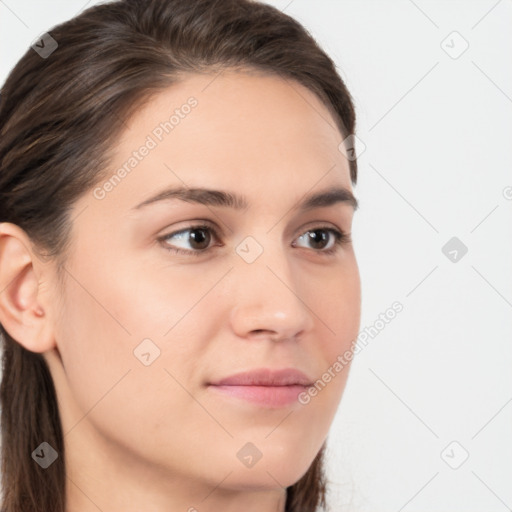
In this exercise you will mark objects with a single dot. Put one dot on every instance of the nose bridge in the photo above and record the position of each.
(268, 296)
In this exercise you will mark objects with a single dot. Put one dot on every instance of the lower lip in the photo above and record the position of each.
(267, 396)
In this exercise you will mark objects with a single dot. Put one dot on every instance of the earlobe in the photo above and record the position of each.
(22, 313)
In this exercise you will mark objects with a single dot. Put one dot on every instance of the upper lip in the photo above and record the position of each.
(266, 377)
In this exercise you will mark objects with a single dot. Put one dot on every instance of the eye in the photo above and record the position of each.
(325, 237)
(198, 237)
(325, 240)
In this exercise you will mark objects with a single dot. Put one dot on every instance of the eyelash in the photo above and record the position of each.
(340, 238)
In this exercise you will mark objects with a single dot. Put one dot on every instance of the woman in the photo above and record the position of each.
(177, 274)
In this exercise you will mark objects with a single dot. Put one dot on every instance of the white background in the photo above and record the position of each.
(436, 164)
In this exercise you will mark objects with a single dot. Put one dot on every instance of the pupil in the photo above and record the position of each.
(199, 239)
(317, 235)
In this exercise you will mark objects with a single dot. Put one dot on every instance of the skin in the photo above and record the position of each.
(156, 437)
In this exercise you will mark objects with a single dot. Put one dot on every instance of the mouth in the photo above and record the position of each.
(266, 396)
(264, 387)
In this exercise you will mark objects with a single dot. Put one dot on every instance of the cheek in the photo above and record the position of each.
(339, 321)
(111, 388)
(153, 300)
(340, 311)
(113, 316)
(94, 345)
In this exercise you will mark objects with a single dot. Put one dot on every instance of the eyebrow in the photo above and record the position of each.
(208, 197)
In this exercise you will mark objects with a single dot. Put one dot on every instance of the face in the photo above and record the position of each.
(261, 283)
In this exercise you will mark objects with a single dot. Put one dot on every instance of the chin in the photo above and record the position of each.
(278, 466)
(264, 478)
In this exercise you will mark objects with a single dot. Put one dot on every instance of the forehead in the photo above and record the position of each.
(257, 133)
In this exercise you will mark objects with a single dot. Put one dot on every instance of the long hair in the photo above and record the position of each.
(57, 112)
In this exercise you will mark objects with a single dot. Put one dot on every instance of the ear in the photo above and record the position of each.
(23, 312)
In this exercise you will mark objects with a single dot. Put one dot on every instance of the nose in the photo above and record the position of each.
(270, 299)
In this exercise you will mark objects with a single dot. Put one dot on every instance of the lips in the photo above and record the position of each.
(266, 377)
(264, 387)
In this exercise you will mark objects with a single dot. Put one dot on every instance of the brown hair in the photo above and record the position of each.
(56, 135)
